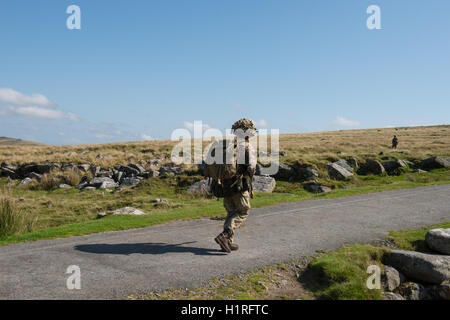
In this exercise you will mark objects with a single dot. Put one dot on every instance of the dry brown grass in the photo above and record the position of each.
(320, 147)
(13, 220)
(50, 180)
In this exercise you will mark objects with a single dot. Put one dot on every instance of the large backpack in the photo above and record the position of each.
(220, 165)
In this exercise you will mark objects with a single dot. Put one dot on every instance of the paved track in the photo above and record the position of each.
(183, 253)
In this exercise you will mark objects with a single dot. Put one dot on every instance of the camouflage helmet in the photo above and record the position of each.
(244, 124)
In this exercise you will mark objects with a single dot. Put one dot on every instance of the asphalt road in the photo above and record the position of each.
(184, 254)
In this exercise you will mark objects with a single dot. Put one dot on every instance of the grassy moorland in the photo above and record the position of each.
(314, 148)
(66, 212)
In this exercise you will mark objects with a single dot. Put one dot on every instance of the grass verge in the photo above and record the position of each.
(13, 220)
(414, 239)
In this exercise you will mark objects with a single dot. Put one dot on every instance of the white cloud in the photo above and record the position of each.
(34, 106)
(190, 126)
(146, 137)
(343, 122)
(261, 123)
(43, 113)
(12, 96)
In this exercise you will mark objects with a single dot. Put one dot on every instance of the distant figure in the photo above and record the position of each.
(394, 142)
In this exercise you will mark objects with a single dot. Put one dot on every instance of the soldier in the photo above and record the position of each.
(237, 201)
(394, 142)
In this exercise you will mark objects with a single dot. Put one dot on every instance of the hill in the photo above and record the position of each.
(5, 141)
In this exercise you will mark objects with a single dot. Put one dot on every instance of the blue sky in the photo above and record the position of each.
(140, 69)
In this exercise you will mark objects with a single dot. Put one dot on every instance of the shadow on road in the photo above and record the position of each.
(146, 248)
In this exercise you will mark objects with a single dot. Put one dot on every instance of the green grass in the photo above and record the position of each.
(12, 219)
(414, 239)
(341, 274)
(64, 213)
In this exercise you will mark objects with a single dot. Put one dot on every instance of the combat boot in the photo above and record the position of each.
(223, 241)
(229, 235)
(233, 246)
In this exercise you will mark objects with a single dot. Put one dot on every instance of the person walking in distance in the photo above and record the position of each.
(394, 142)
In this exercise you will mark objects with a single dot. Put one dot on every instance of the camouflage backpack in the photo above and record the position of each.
(220, 161)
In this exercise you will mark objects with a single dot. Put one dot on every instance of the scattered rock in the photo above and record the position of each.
(263, 183)
(96, 170)
(285, 172)
(125, 210)
(35, 176)
(200, 187)
(37, 168)
(391, 296)
(392, 278)
(129, 170)
(130, 182)
(420, 171)
(394, 167)
(103, 182)
(7, 173)
(67, 166)
(138, 167)
(316, 188)
(84, 167)
(150, 174)
(428, 268)
(439, 240)
(82, 185)
(337, 172)
(306, 173)
(434, 163)
(353, 162)
(371, 167)
(439, 292)
(25, 181)
(64, 186)
(8, 166)
(8, 170)
(158, 200)
(344, 164)
(412, 291)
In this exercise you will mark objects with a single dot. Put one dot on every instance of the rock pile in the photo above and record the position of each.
(428, 273)
(121, 175)
(133, 173)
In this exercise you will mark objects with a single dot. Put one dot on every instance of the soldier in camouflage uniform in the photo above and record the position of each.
(394, 142)
(237, 203)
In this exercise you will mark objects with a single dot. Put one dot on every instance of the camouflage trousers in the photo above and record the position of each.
(237, 207)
